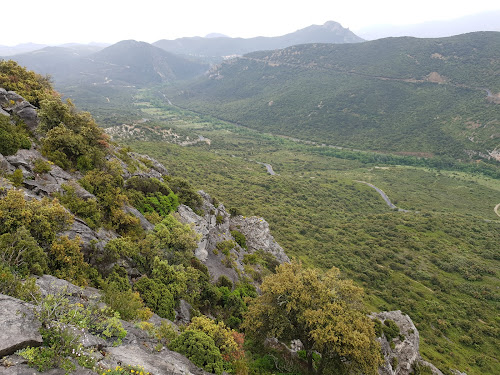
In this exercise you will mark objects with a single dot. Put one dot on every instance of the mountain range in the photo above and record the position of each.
(126, 63)
(133, 63)
(434, 96)
(217, 48)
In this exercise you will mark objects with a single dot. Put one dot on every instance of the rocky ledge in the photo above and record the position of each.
(215, 227)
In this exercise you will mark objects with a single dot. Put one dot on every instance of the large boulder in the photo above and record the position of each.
(49, 284)
(215, 227)
(19, 367)
(12, 103)
(258, 236)
(401, 358)
(20, 328)
(165, 362)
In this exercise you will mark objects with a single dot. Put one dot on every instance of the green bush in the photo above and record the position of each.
(183, 189)
(12, 285)
(12, 137)
(200, 349)
(390, 329)
(126, 370)
(72, 139)
(127, 303)
(239, 238)
(31, 86)
(17, 178)
(156, 296)
(151, 195)
(20, 251)
(41, 166)
(88, 209)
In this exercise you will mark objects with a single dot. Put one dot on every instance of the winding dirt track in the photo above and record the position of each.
(497, 207)
(385, 197)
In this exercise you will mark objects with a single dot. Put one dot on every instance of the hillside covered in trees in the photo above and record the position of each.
(92, 214)
(421, 97)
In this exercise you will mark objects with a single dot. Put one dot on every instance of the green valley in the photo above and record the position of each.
(399, 95)
(438, 263)
(377, 158)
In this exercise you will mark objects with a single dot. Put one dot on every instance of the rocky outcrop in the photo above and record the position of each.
(52, 285)
(19, 326)
(13, 104)
(401, 357)
(17, 365)
(19, 329)
(165, 362)
(215, 226)
(258, 236)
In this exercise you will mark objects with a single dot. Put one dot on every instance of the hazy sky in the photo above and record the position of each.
(83, 21)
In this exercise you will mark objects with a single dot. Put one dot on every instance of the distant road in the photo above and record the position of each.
(269, 168)
(385, 197)
(497, 207)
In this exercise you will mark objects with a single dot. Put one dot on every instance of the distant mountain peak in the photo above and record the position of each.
(332, 25)
(216, 47)
(216, 35)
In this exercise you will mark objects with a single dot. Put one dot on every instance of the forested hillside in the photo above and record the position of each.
(437, 261)
(430, 97)
(169, 279)
(308, 137)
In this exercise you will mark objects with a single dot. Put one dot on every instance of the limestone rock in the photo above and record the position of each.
(92, 242)
(210, 234)
(165, 362)
(24, 369)
(52, 285)
(258, 236)
(12, 103)
(215, 226)
(5, 166)
(183, 313)
(19, 366)
(157, 166)
(405, 351)
(19, 326)
(157, 321)
(145, 224)
(86, 339)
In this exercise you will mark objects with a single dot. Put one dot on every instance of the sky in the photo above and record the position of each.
(83, 21)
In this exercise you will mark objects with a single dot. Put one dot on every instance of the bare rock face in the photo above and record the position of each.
(19, 367)
(215, 227)
(145, 224)
(401, 359)
(19, 326)
(165, 362)
(12, 103)
(258, 236)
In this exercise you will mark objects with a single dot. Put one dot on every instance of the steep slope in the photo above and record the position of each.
(61, 63)
(435, 96)
(126, 63)
(141, 63)
(214, 49)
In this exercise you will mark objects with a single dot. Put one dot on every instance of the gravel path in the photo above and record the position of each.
(385, 197)
(497, 207)
(269, 168)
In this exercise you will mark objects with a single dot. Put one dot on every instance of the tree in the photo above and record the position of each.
(321, 310)
(229, 342)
